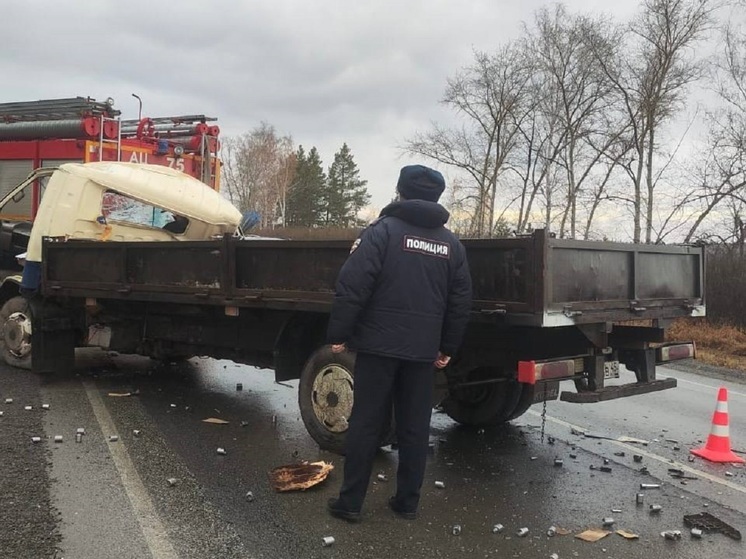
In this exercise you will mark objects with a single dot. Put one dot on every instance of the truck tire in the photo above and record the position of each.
(525, 401)
(325, 397)
(484, 404)
(15, 339)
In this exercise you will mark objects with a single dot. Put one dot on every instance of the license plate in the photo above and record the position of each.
(546, 391)
(611, 369)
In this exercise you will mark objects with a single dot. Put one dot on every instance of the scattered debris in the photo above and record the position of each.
(605, 469)
(244, 424)
(608, 521)
(627, 535)
(606, 461)
(173, 405)
(382, 477)
(710, 523)
(8, 400)
(650, 486)
(696, 533)
(28, 408)
(534, 457)
(440, 485)
(327, 541)
(221, 451)
(677, 447)
(250, 496)
(522, 532)
(136, 432)
(78, 438)
(672, 534)
(620, 453)
(552, 531)
(655, 509)
(632, 440)
(637, 458)
(456, 530)
(558, 462)
(550, 440)
(299, 476)
(554, 556)
(616, 511)
(640, 498)
(480, 431)
(679, 474)
(113, 438)
(215, 421)
(35, 439)
(1, 414)
(729, 474)
(58, 438)
(573, 455)
(80, 431)
(592, 535)
(497, 528)
(691, 458)
(45, 406)
(120, 394)
(239, 386)
(172, 481)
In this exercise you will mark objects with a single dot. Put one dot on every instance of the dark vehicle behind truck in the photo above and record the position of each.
(545, 310)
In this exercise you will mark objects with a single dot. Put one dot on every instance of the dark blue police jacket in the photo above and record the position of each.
(405, 289)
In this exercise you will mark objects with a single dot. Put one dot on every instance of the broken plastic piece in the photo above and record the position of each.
(299, 476)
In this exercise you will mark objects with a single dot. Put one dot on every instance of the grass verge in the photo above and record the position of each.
(721, 345)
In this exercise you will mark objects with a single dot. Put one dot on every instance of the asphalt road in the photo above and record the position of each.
(103, 498)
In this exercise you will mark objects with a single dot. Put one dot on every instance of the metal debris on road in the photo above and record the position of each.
(250, 496)
(573, 455)
(592, 535)
(327, 541)
(215, 421)
(239, 386)
(173, 405)
(120, 394)
(28, 408)
(80, 431)
(677, 447)
(554, 556)
(679, 474)
(605, 469)
(244, 424)
(672, 534)
(78, 438)
(172, 481)
(558, 462)
(497, 528)
(627, 535)
(8, 400)
(45, 406)
(35, 439)
(606, 461)
(650, 486)
(299, 476)
(440, 485)
(640, 498)
(58, 438)
(136, 432)
(620, 453)
(550, 440)
(654, 509)
(729, 474)
(522, 532)
(696, 533)
(113, 438)
(691, 458)
(616, 511)
(1, 414)
(382, 477)
(637, 457)
(608, 521)
(551, 531)
(534, 457)
(456, 530)
(710, 523)
(221, 451)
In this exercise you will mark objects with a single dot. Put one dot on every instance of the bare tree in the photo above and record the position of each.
(651, 75)
(258, 168)
(492, 95)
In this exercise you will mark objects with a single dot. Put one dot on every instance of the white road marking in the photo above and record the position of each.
(151, 526)
(713, 388)
(637, 450)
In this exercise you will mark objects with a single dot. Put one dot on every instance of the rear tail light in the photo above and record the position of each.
(530, 372)
(676, 351)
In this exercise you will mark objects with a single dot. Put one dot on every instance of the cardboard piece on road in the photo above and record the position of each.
(120, 394)
(215, 421)
(592, 534)
(628, 535)
(299, 476)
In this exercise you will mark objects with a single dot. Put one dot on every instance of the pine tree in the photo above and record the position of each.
(305, 200)
(346, 194)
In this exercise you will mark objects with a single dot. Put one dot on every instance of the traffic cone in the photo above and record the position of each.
(717, 448)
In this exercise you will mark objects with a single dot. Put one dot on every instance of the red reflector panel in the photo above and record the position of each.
(555, 369)
(527, 372)
(674, 352)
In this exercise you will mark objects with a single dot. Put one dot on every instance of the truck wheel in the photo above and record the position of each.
(15, 341)
(525, 401)
(325, 397)
(483, 404)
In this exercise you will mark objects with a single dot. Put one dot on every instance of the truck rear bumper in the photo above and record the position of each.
(621, 391)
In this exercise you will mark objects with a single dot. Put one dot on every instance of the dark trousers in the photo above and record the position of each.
(381, 382)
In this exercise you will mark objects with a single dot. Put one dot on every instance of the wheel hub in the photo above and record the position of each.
(332, 397)
(17, 334)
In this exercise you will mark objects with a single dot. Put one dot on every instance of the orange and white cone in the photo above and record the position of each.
(717, 448)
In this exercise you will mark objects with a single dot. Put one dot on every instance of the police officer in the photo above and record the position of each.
(402, 303)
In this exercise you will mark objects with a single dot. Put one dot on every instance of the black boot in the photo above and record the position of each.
(337, 511)
(406, 515)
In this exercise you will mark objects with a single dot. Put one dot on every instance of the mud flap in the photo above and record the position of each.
(52, 338)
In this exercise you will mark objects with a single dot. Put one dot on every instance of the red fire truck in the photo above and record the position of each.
(48, 133)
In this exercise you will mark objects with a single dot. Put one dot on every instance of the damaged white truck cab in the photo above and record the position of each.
(106, 201)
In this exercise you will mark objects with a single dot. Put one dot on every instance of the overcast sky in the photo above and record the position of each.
(369, 73)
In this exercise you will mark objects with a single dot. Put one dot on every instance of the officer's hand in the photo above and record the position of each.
(338, 348)
(442, 360)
